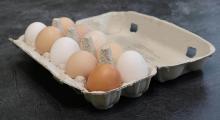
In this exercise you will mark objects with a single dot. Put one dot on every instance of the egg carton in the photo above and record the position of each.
(170, 50)
(99, 99)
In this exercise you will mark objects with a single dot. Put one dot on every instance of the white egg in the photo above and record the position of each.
(132, 66)
(62, 49)
(32, 32)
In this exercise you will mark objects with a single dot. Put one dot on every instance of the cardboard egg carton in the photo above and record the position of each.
(170, 50)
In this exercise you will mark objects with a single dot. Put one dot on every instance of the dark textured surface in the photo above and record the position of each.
(28, 91)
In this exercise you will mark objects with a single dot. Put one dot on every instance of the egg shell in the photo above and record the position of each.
(98, 38)
(132, 66)
(80, 63)
(81, 31)
(66, 24)
(62, 49)
(32, 32)
(46, 38)
(116, 51)
(104, 77)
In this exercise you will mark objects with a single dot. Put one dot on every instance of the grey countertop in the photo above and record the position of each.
(28, 91)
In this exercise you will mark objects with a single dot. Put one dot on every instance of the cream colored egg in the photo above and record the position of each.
(64, 24)
(32, 32)
(97, 37)
(46, 38)
(117, 50)
(81, 30)
(80, 63)
(62, 49)
(132, 66)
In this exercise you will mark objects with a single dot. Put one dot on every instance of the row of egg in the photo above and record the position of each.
(81, 51)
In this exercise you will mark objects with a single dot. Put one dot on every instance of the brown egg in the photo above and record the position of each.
(80, 63)
(81, 31)
(66, 24)
(46, 38)
(104, 77)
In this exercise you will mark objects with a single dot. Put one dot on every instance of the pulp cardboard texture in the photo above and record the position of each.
(161, 43)
(175, 51)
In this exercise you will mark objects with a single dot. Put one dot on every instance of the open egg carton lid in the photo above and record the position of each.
(173, 50)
